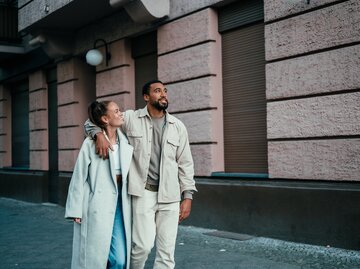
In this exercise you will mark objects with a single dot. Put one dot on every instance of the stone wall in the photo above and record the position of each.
(76, 88)
(189, 62)
(38, 121)
(117, 80)
(312, 88)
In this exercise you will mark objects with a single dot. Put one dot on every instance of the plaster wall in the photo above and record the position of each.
(276, 9)
(38, 121)
(117, 80)
(34, 10)
(312, 90)
(76, 88)
(331, 26)
(190, 64)
(120, 25)
(324, 116)
(325, 72)
(329, 159)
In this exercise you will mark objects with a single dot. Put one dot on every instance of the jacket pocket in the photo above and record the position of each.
(135, 139)
(172, 145)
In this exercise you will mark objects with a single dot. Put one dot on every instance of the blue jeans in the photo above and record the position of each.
(117, 255)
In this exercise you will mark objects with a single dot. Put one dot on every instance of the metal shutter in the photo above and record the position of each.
(244, 99)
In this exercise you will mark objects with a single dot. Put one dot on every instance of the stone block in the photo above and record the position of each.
(334, 115)
(5, 159)
(328, 71)
(4, 126)
(208, 158)
(125, 101)
(39, 160)
(276, 9)
(3, 108)
(195, 94)
(39, 140)
(114, 81)
(195, 28)
(72, 114)
(120, 52)
(38, 100)
(335, 159)
(38, 120)
(71, 137)
(37, 80)
(328, 27)
(201, 125)
(66, 70)
(66, 92)
(4, 145)
(193, 62)
(67, 160)
(2, 92)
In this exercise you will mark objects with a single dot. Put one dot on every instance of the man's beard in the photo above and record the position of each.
(159, 106)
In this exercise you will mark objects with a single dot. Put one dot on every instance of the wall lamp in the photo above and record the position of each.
(94, 56)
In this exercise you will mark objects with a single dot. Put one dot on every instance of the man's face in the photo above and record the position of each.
(157, 97)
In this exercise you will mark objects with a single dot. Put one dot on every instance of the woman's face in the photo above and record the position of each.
(114, 115)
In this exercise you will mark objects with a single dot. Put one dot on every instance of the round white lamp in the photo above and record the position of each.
(94, 57)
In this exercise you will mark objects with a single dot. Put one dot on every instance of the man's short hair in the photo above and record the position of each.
(146, 87)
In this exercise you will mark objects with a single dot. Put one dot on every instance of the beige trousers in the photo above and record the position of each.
(153, 220)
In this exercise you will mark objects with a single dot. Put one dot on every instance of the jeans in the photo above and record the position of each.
(117, 255)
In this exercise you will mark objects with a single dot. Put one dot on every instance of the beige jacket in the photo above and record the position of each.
(176, 165)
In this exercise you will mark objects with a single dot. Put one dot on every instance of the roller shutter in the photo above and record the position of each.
(244, 100)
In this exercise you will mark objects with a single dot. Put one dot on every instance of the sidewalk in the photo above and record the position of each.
(36, 236)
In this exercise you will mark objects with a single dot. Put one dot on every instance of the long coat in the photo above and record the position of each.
(92, 196)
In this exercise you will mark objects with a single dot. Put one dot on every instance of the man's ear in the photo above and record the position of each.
(146, 97)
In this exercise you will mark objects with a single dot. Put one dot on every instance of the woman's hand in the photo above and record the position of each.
(77, 220)
(102, 146)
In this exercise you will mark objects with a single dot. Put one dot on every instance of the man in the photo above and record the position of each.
(160, 176)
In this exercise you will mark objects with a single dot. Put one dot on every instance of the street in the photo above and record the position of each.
(36, 236)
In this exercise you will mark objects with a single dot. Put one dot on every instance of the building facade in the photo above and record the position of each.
(269, 92)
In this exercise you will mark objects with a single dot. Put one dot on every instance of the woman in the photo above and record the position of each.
(97, 199)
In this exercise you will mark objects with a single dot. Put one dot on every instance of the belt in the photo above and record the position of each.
(153, 188)
(119, 179)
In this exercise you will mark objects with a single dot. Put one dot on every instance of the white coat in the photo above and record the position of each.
(92, 196)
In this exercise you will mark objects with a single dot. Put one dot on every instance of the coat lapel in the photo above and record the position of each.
(126, 151)
(112, 168)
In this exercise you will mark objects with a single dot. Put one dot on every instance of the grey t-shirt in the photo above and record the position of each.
(154, 167)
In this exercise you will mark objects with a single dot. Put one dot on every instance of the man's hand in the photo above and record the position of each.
(185, 209)
(102, 146)
(77, 220)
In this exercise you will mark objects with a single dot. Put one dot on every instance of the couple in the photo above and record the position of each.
(121, 204)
